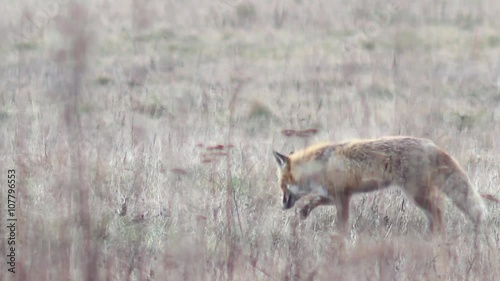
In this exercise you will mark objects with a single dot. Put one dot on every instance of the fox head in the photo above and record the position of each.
(286, 180)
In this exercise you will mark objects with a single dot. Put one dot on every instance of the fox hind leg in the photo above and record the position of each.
(431, 204)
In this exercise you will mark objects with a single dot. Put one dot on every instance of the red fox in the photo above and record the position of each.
(329, 174)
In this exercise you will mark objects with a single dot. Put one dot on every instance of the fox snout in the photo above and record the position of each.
(288, 200)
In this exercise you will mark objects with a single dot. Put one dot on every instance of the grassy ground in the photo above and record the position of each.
(141, 134)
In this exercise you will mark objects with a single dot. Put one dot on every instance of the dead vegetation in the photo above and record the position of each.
(142, 133)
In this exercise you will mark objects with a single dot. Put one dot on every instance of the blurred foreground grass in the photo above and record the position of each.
(111, 114)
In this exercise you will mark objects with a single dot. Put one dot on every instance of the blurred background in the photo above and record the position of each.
(141, 134)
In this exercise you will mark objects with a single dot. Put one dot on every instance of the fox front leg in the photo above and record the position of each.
(313, 202)
(343, 212)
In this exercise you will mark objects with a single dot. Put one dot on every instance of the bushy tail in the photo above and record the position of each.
(458, 188)
(453, 181)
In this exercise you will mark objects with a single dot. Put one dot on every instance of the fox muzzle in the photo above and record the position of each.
(288, 200)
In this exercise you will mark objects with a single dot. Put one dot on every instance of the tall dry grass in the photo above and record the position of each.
(141, 134)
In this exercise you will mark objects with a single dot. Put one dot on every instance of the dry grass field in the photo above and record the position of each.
(141, 135)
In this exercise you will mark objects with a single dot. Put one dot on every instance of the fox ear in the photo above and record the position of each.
(281, 159)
